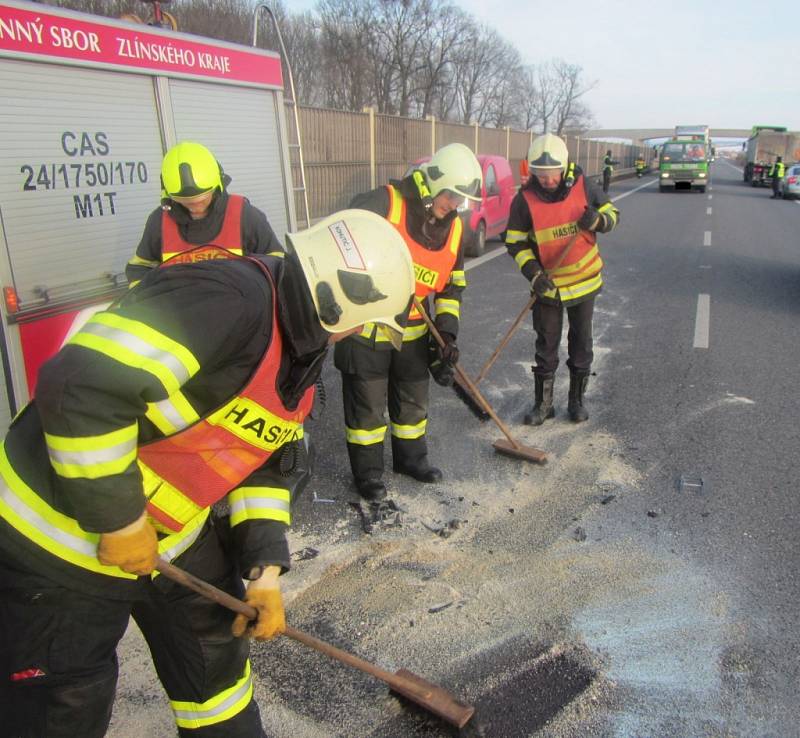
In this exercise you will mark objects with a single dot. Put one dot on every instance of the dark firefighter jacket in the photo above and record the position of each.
(431, 233)
(521, 241)
(210, 323)
(257, 234)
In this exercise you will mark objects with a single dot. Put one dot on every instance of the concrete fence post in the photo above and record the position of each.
(508, 142)
(475, 148)
(432, 119)
(578, 151)
(373, 175)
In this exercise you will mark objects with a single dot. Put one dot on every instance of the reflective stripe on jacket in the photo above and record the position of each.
(555, 223)
(432, 270)
(229, 236)
(197, 466)
(60, 535)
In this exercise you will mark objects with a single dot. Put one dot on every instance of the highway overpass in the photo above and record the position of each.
(643, 134)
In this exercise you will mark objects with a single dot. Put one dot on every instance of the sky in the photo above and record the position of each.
(730, 64)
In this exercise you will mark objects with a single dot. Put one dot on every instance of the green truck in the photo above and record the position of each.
(684, 160)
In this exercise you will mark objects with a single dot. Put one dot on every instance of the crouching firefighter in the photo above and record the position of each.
(556, 204)
(422, 207)
(191, 389)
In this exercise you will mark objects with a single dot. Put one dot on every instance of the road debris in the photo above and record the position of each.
(304, 554)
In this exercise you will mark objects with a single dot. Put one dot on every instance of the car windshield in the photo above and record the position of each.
(684, 152)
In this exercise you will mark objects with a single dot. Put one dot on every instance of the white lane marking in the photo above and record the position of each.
(732, 166)
(701, 321)
(711, 197)
(635, 189)
(708, 211)
(486, 257)
(497, 252)
(706, 238)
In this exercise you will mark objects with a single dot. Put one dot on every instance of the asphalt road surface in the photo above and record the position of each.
(642, 583)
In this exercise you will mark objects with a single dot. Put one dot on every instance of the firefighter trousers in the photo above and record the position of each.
(369, 376)
(548, 322)
(58, 646)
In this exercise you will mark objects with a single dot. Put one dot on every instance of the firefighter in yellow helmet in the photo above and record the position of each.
(554, 205)
(112, 465)
(196, 210)
(422, 207)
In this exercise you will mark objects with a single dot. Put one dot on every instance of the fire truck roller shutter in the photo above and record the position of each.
(239, 125)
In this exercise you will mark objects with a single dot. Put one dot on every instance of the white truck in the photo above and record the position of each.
(765, 145)
(89, 105)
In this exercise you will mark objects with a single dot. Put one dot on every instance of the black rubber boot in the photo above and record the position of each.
(420, 470)
(543, 407)
(578, 381)
(371, 489)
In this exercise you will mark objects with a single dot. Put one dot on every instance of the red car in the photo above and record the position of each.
(489, 217)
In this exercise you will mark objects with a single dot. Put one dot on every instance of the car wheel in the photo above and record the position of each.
(701, 188)
(478, 245)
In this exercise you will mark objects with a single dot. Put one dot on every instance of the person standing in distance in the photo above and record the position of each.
(608, 169)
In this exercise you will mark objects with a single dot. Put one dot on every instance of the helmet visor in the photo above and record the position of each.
(472, 191)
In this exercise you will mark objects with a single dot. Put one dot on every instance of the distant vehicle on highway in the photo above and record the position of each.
(684, 159)
(489, 217)
(765, 144)
(789, 186)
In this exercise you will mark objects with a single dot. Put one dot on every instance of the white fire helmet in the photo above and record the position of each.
(358, 270)
(546, 152)
(455, 169)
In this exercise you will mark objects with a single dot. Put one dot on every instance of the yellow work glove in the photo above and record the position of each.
(133, 548)
(264, 595)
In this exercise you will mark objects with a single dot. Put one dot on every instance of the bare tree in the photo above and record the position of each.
(348, 46)
(571, 88)
(502, 93)
(528, 96)
(438, 54)
(406, 57)
(479, 59)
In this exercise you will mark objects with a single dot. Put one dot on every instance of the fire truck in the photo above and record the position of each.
(89, 106)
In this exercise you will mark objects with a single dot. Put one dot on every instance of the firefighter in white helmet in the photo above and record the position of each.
(422, 207)
(197, 210)
(556, 203)
(190, 390)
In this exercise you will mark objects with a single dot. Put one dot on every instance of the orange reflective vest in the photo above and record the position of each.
(554, 224)
(431, 268)
(229, 236)
(197, 466)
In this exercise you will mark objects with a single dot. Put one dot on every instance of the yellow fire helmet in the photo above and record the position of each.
(548, 151)
(189, 169)
(358, 270)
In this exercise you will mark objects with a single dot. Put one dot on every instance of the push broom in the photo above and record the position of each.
(429, 696)
(528, 306)
(510, 446)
